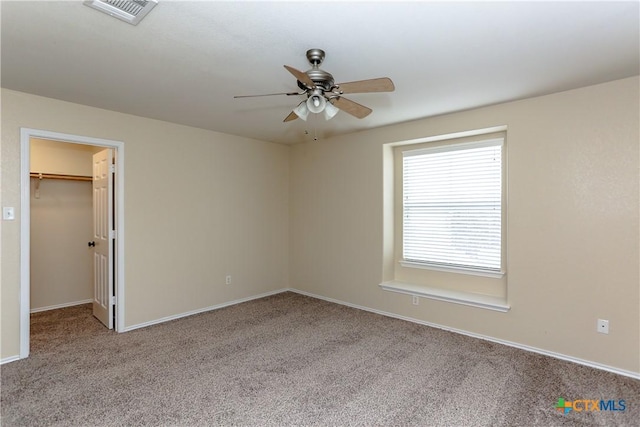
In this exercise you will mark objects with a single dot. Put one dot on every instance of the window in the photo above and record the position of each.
(452, 207)
(444, 218)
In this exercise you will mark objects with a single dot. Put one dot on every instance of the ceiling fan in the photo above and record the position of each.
(323, 95)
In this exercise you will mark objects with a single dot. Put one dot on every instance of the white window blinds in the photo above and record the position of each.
(452, 206)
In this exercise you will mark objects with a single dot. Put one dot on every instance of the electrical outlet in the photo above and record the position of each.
(227, 280)
(415, 300)
(603, 326)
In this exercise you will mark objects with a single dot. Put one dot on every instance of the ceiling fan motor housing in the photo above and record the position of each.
(321, 78)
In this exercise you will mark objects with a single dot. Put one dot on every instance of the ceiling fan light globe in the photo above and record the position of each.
(330, 110)
(316, 103)
(302, 111)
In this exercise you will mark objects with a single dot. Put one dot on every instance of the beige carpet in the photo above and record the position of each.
(292, 360)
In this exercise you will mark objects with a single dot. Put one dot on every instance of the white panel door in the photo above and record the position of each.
(102, 237)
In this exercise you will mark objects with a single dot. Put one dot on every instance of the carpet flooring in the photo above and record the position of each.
(291, 360)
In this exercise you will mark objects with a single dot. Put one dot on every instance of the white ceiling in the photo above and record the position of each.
(186, 60)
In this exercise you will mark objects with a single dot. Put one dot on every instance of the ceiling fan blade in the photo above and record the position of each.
(302, 77)
(290, 117)
(383, 84)
(351, 107)
(269, 94)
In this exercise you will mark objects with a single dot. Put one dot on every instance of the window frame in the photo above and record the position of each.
(450, 144)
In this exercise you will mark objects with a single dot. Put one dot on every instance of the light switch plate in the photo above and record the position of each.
(8, 214)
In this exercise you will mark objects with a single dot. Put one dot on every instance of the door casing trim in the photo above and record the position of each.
(25, 224)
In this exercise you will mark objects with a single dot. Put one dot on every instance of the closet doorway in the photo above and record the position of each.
(72, 233)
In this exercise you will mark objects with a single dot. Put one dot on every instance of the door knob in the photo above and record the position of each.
(92, 244)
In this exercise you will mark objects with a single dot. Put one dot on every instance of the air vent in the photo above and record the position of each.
(131, 11)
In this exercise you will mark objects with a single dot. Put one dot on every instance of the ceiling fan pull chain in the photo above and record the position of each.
(313, 122)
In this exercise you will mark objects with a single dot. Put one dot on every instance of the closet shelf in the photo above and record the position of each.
(59, 176)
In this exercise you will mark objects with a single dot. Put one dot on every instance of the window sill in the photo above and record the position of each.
(446, 295)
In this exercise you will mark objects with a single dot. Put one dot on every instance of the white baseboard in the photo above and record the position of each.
(596, 365)
(202, 310)
(9, 359)
(54, 307)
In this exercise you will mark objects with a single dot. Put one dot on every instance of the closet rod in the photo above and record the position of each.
(59, 176)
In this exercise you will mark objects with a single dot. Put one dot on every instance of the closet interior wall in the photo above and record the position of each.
(61, 224)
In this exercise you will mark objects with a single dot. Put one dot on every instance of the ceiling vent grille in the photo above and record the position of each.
(131, 11)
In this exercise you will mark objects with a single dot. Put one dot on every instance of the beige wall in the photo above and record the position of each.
(198, 205)
(573, 222)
